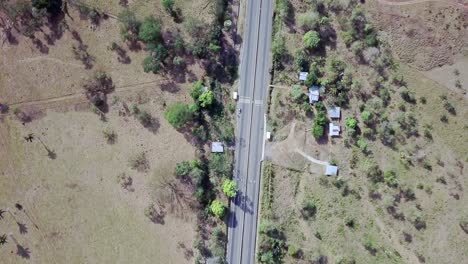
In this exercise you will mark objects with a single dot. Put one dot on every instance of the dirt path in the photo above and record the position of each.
(51, 59)
(316, 161)
(129, 87)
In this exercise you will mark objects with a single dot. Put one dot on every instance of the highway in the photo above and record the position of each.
(254, 80)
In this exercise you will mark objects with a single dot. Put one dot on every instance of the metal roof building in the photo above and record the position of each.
(331, 170)
(217, 147)
(303, 76)
(334, 130)
(334, 112)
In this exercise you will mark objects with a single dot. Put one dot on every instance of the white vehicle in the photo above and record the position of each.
(239, 111)
(234, 96)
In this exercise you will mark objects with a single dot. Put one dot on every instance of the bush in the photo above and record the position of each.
(230, 188)
(311, 39)
(139, 162)
(294, 251)
(362, 144)
(351, 122)
(168, 5)
(130, 25)
(309, 21)
(150, 30)
(178, 115)
(155, 62)
(297, 93)
(110, 136)
(218, 208)
(366, 117)
(390, 179)
(183, 168)
(206, 99)
(309, 208)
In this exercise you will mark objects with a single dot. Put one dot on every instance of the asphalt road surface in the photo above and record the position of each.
(254, 80)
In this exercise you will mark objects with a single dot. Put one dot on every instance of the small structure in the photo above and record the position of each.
(334, 130)
(331, 170)
(268, 136)
(334, 112)
(217, 147)
(314, 94)
(235, 95)
(303, 76)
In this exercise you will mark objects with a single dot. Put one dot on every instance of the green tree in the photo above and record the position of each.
(230, 188)
(318, 128)
(150, 30)
(178, 115)
(182, 169)
(217, 208)
(297, 93)
(351, 123)
(311, 39)
(206, 99)
(196, 90)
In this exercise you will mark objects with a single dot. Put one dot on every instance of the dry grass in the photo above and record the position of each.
(75, 210)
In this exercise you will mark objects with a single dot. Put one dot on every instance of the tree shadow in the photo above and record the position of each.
(170, 87)
(23, 252)
(23, 229)
(244, 202)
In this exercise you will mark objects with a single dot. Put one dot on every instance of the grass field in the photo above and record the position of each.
(73, 208)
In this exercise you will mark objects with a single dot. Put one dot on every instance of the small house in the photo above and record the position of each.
(334, 112)
(303, 76)
(334, 130)
(331, 170)
(217, 147)
(314, 94)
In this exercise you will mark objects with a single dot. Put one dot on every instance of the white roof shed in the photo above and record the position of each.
(331, 170)
(333, 130)
(334, 112)
(314, 94)
(217, 147)
(303, 76)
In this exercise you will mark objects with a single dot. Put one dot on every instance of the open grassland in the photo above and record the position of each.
(74, 209)
(400, 196)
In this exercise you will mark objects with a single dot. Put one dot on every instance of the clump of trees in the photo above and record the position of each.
(320, 120)
(311, 39)
(272, 243)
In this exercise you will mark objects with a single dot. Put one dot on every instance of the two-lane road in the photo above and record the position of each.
(254, 79)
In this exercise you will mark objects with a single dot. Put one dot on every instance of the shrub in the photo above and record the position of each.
(300, 60)
(351, 122)
(97, 88)
(407, 96)
(370, 244)
(206, 99)
(309, 208)
(110, 136)
(311, 39)
(139, 162)
(230, 188)
(53, 7)
(178, 115)
(218, 208)
(182, 169)
(294, 251)
(168, 5)
(390, 179)
(297, 93)
(318, 128)
(366, 117)
(150, 30)
(130, 25)
(278, 49)
(309, 21)
(196, 90)
(362, 144)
